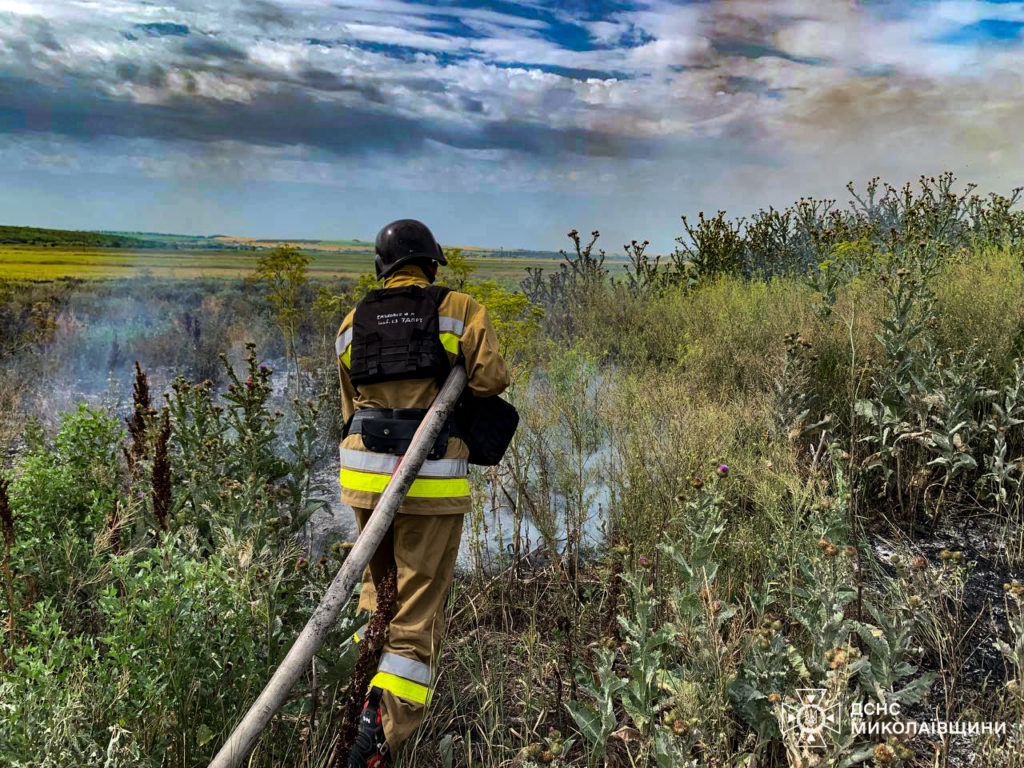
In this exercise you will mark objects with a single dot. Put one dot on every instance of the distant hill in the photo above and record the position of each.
(63, 237)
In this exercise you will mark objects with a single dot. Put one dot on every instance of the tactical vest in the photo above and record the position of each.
(395, 335)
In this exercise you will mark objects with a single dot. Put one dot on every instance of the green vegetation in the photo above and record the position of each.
(282, 272)
(788, 456)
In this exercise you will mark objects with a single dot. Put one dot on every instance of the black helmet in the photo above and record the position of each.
(403, 241)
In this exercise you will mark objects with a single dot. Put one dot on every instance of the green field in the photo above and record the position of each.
(28, 262)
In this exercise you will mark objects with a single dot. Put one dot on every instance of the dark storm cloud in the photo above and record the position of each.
(282, 117)
(330, 82)
(756, 50)
(265, 14)
(149, 75)
(210, 48)
(42, 33)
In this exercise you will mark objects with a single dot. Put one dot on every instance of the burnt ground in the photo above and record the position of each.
(982, 670)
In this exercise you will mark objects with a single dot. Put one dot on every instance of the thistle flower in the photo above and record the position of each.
(249, 383)
(723, 470)
(883, 754)
(643, 560)
(839, 658)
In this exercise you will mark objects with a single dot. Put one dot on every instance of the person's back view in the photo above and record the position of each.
(394, 349)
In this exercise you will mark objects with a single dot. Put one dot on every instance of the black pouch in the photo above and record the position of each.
(394, 435)
(486, 425)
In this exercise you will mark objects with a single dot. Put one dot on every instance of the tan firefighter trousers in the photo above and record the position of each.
(423, 548)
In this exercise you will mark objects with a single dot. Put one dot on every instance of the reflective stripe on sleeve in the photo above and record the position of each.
(410, 669)
(449, 330)
(385, 464)
(343, 341)
(422, 487)
(404, 689)
(450, 325)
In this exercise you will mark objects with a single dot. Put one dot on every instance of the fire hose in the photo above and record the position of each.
(242, 740)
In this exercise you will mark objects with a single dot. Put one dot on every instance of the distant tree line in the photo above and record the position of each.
(61, 237)
(56, 238)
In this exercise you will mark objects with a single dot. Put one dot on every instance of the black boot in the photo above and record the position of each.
(370, 749)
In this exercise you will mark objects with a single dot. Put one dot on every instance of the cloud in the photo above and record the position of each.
(209, 48)
(521, 91)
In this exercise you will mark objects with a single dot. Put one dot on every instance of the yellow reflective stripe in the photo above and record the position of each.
(405, 689)
(355, 637)
(346, 358)
(422, 487)
(450, 342)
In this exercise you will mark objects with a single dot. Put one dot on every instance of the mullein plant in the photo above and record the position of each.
(646, 695)
(1001, 482)
(892, 413)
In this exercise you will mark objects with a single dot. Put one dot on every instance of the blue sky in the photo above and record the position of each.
(497, 123)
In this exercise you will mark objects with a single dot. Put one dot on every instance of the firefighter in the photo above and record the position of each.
(394, 350)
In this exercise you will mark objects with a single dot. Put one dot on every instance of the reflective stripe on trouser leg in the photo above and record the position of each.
(410, 669)
(405, 678)
(402, 688)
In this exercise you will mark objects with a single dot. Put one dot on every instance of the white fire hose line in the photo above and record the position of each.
(242, 740)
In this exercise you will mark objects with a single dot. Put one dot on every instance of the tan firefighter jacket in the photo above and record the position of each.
(442, 486)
